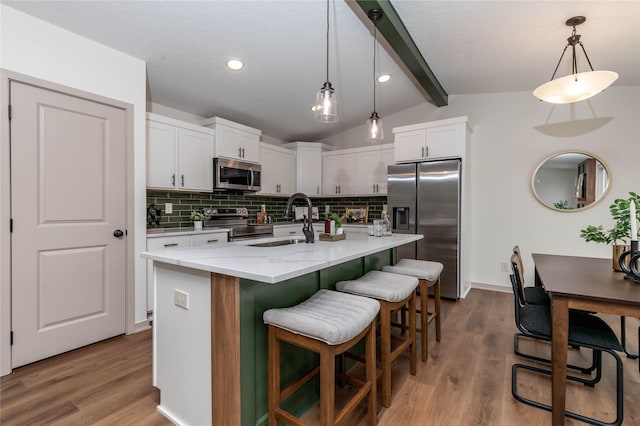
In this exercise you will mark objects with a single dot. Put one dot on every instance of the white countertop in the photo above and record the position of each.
(275, 264)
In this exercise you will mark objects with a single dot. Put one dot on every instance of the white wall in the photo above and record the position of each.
(38, 49)
(512, 134)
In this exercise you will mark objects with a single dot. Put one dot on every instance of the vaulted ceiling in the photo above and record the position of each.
(471, 47)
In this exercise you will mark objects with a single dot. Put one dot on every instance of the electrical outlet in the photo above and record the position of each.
(181, 299)
(504, 266)
(168, 208)
(327, 208)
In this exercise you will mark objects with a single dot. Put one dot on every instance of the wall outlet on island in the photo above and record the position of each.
(181, 299)
(504, 266)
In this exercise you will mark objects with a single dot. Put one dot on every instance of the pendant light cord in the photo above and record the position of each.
(375, 27)
(327, 40)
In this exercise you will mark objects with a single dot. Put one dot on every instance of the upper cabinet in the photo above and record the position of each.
(234, 141)
(278, 170)
(338, 173)
(371, 170)
(179, 155)
(432, 140)
(308, 167)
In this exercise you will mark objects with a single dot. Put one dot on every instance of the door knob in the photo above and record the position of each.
(118, 233)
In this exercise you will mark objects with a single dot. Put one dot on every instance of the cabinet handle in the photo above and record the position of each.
(212, 241)
(239, 152)
(173, 179)
(427, 149)
(422, 155)
(242, 151)
(374, 187)
(318, 190)
(171, 245)
(182, 179)
(292, 232)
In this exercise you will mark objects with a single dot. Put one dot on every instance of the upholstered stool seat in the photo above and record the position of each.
(328, 323)
(429, 275)
(393, 291)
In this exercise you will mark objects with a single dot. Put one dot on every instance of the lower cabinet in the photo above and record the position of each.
(175, 241)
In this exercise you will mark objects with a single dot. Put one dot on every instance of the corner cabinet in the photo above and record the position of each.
(179, 155)
(234, 141)
(278, 170)
(308, 167)
(430, 141)
(356, 171)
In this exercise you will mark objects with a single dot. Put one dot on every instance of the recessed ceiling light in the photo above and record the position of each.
(384, 78)
(235, 64)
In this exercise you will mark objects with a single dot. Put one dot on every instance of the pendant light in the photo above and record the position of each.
(326, 106)
(375, 131)
(577, 86)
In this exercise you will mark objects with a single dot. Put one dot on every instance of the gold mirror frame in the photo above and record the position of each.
(550, 205)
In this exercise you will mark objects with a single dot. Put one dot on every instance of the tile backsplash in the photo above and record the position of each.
(184, 202)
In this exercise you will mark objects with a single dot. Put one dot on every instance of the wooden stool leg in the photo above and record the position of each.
(412, 334)
(370, 354)
(273, 376)
(385, 352)
(327, 386)
(436, 295)
(424, 333)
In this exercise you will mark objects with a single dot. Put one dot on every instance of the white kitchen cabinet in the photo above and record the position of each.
(162, 242)
(278, 170)
(371, 170)
(234, 141)
(432, 140)
(308, 167)
(179, 155)
(338, 174)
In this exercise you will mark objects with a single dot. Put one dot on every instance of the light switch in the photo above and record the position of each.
(168, 208)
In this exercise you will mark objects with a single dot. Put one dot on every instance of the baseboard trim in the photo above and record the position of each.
(140, 326)
(492, 287)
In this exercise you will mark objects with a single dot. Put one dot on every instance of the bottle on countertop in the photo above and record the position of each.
(386, 224)
(327, 225)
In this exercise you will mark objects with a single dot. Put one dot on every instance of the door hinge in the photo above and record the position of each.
(9, 112)
(11, 225)
(11, 339)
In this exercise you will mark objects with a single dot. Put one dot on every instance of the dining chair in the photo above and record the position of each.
(516, 268)
(531, 294)
(585, 330)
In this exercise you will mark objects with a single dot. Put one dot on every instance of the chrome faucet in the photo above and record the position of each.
(307, 220)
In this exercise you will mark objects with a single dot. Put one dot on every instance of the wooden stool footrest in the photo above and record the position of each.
(284, 393)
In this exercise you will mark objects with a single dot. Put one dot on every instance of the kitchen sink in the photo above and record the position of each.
(277, 243)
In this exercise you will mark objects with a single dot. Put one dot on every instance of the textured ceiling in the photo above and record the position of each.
(472, 47)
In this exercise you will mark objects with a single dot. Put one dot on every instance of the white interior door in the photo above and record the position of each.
(68, 199)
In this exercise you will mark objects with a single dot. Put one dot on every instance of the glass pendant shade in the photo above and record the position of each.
(326, 106)
(375, 130)
(575, 87)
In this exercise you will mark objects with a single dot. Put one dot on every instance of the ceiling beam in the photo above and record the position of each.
(398, 38)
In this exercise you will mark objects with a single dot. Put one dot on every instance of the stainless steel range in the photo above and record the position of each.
(236, 220)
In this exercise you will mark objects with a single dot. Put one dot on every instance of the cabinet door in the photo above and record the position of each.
(287, 172)
(195, 161)
(346, 174)
(367, 172)
(162, 155)
(309, 171)
(237, 144)
(385, 159)
(409, 145)
(288, 230)
(442, 142)
(250, 144)
(278, 169)
(330, 175)
(161, 243)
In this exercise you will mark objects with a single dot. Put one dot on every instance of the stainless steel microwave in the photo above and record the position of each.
(236, 175)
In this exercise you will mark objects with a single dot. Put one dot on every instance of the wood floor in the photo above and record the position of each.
(466, 381)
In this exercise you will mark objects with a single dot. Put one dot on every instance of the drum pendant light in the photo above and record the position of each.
(326, 106)
(375, 131)
(576, 86)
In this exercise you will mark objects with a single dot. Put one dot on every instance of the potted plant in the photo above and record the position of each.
(338, 220)
(620, 233)
(197, 218)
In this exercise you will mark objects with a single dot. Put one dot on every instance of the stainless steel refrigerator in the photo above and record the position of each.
(424, 198)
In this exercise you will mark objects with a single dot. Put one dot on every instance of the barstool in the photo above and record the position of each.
(328, 323)
(393, 291)
(429, 275)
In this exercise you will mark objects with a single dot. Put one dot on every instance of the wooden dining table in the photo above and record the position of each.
(584, 283)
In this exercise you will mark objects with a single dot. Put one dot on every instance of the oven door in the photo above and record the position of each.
(236, 175)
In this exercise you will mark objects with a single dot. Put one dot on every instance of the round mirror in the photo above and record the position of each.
(571, 181)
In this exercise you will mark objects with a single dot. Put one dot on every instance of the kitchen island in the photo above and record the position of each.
(209, 341)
